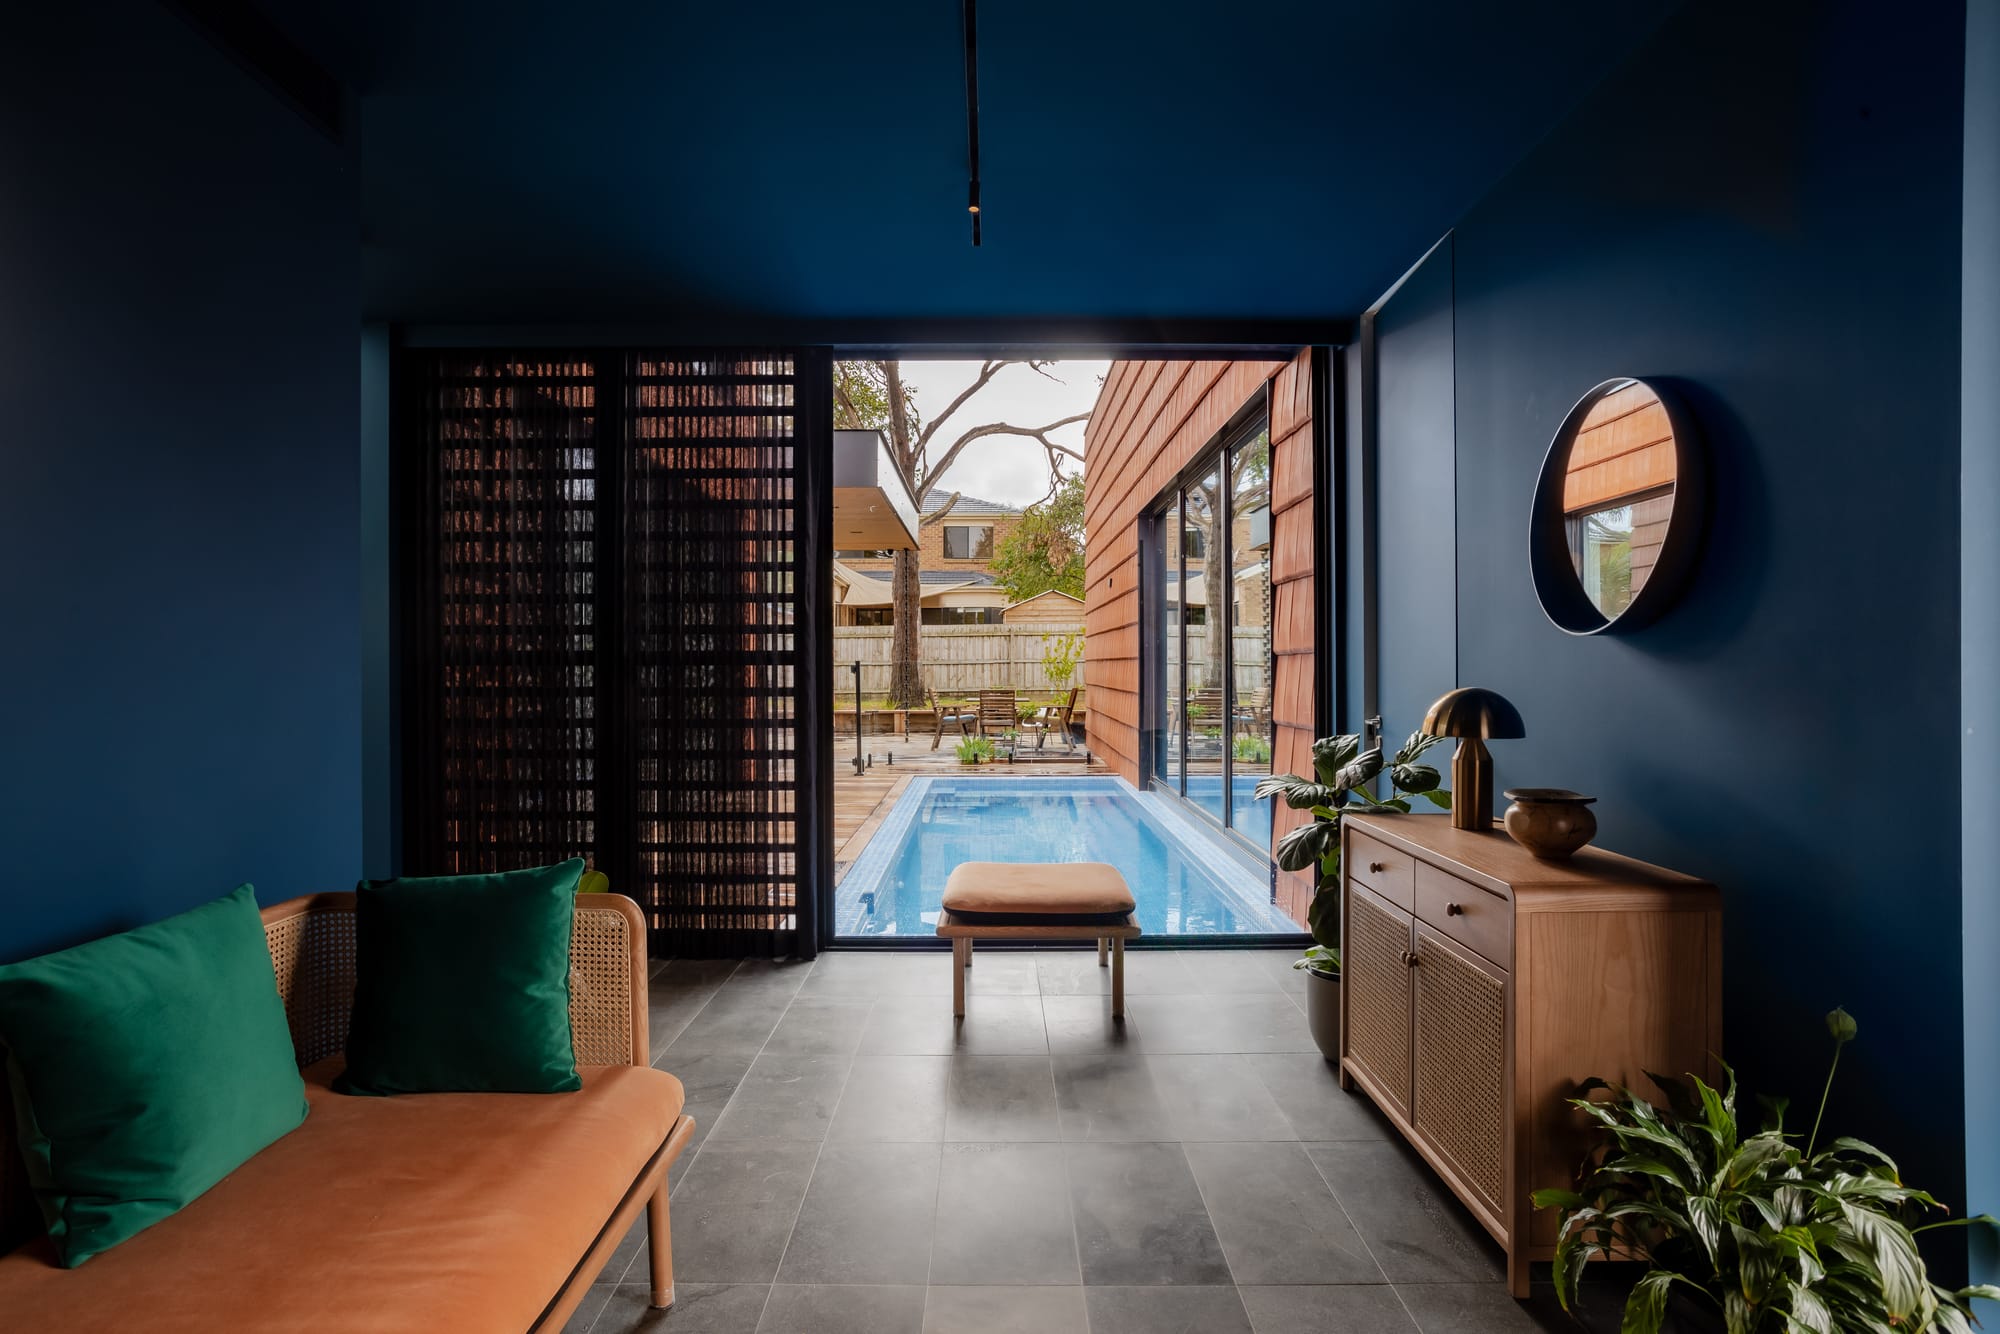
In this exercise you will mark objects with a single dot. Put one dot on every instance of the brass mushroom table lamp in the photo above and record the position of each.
(1473, 715)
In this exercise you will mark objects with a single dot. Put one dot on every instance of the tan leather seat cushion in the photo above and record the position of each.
(436, 1212)
(1051, 889)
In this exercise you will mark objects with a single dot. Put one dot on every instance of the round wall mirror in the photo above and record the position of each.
(1618, 510)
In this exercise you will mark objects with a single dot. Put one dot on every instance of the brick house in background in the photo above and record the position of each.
(956, 566)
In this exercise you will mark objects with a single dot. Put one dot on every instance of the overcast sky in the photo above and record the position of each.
(1004, 468)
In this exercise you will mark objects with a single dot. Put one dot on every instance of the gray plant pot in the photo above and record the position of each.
(1323, 1011)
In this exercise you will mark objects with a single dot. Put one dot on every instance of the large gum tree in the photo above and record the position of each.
(874, 396)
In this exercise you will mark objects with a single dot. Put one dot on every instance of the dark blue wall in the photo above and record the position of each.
(1979, 630)
(179, 554)
(1761, 208)
(1416, 546)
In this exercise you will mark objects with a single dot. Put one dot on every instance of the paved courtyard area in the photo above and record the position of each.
(866, 1165)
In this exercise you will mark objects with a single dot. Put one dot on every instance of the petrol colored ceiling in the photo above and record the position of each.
(794, 161)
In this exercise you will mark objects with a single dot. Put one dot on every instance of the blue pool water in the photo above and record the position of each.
(1249, 816)
(1183, 883)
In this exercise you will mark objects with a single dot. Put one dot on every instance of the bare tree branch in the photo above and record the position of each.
(986, 373)
(1041, 433)
(944, 509)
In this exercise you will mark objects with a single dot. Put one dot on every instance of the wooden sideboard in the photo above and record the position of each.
(1480, 985)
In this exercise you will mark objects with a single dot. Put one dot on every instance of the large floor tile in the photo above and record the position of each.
(893, 1099)
(844, 1310)
(1217, 1098)
(1077, 973)
(1485, 1308)
(778, 979)
(993, 1098)
(1307, 1089)
(1109, 1098)
(1139, 1216)
(591, 1307)
(1003, 1217)
(992, 1026)
(870, 975)
(866, 1216)
(1231, 972)
(1080, 1025)
(1277, 1220)
(734, 1020)
(1352, 1309)
(699, 1308)
(1202, 1310)
(817, 1026)
(709, 1081)
(785, 1096)
(1005, 1310)
(735, 1210)
(1416, 1230)
(1221, 1024)
(1002, 973)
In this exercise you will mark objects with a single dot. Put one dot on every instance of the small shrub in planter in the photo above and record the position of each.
(1341, 775)
(974, 749)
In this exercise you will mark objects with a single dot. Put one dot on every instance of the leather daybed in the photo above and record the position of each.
(483, 1212)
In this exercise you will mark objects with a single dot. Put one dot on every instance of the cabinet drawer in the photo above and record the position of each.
(1380, 867)
(1480, 921)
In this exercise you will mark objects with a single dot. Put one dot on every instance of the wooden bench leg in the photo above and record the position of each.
(660, 1247)
(959, 951)
(1103, 946)
(1117, 978)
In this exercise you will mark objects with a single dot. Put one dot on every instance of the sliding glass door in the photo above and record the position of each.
(1211, 593)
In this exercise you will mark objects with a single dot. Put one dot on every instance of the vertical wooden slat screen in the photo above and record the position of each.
(500, 700)
(627, 534)
(710, 654)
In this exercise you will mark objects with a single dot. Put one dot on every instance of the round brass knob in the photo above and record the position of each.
(1409, 959)
(1453, 910)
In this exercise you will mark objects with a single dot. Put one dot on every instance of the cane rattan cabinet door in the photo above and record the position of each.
(1459, 1102)
(1375, 961)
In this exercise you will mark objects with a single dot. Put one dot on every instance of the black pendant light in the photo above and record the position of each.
(972, 112)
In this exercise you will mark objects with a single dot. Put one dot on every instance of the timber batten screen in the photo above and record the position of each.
(601, 576)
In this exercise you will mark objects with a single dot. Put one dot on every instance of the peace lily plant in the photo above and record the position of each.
(1342, 772)
(1768, 1234)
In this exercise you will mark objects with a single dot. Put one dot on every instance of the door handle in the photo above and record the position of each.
(1453, 910)
(1409, 959)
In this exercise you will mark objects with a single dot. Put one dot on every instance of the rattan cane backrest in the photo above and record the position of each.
(312, 955)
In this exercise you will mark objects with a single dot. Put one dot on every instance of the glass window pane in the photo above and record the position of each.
(1205, 695)
(1168, 762)
(1251, 664)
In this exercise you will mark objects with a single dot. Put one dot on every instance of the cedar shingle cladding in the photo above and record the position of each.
(1152, 418)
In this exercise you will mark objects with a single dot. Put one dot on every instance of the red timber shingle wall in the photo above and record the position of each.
(1151, 420)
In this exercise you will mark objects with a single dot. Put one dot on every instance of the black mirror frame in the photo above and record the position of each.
(1557, 585)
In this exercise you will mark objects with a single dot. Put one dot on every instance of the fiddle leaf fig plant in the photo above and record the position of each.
(1340, 780)
(1773, 1235)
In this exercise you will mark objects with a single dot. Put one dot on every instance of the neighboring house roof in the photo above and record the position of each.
(968, 507)
(860, 588)
(1046, 593)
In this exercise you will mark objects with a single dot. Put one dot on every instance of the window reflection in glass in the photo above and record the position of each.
(1207, 666)
(1251, 664)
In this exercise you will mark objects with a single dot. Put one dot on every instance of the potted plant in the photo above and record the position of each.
(1753, 1234)
(1341, 775)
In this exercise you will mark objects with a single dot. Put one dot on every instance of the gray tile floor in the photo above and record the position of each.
(865, 1164)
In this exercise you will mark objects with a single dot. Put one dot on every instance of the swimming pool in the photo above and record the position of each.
(1183, 882)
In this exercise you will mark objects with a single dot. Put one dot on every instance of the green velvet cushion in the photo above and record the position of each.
(462, 984)
(146, 1067)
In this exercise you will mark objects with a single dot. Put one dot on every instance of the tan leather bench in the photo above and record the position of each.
(440, 1211)
(1037, 901)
